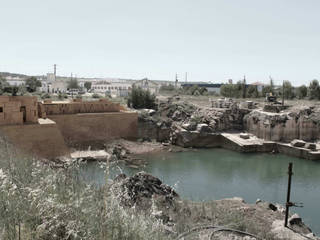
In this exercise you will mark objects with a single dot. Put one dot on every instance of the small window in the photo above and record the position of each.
(1, 109)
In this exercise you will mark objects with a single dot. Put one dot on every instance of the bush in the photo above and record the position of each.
(139, 98)
(39, 202)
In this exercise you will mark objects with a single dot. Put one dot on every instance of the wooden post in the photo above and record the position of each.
(288, 203)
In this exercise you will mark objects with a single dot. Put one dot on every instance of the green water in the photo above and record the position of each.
(219, 173)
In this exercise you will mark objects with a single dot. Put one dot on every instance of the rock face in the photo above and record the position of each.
(186, 125)
(285, 127)
(139, 189)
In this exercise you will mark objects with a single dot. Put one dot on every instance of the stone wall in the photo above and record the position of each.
(103, 105)
(40, 140)
(95, 129)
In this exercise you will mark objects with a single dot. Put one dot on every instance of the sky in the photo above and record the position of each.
(212, 40)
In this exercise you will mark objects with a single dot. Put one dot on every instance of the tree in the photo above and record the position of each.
(288, 90)
(228, 90)
(3, 84)
(139, 98)
(244, 88)
(302, 91)
(32, 84)
(314, 89)
(73, 84)
(87, 85)
(253, 91)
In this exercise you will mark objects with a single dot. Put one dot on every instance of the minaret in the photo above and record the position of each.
(55, 71)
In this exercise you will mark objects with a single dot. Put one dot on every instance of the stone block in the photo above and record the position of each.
(244, 135)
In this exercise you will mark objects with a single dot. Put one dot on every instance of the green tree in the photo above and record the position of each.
(253, 91)
(73, 84)
(32, 83)
(87, 85)
(3, 85)
(139, 98)
(228, 90)
(314, 89)
(302, 91)
(288, 90)
(244, 88)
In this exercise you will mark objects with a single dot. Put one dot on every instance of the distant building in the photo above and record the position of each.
(147, 84)
(259, 85)
(211, 87)
(15, 81)
(115, 89)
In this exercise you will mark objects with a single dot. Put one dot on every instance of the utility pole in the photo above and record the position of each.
(282, 92)
(288, 203)
(186, 77)
(176, 82)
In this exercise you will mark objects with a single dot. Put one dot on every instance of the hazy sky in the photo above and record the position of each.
(212, 40)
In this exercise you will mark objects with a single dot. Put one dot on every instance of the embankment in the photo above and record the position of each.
(43, 140)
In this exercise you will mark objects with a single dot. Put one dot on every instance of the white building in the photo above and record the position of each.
(147, 84)
(15, 81)
(115, 89)
(259, 86)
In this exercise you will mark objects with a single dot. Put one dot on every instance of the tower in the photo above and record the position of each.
(55, 71)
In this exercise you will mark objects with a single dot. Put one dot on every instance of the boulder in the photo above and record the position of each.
(203, 128)
(295, 219)
(244, 135)
(298, 143)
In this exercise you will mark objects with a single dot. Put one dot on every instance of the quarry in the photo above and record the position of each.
(99, 130)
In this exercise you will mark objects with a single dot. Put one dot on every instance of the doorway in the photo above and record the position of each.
(23, 110)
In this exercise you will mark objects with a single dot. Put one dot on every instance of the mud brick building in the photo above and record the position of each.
(18, 110)
(47, 129)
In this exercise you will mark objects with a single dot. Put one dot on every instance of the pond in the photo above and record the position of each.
(210, 174)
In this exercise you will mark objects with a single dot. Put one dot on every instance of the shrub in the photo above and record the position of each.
(139, 98)
(39, 202)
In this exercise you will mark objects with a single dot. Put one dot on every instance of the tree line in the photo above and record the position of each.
(242, 90)
(31, 85)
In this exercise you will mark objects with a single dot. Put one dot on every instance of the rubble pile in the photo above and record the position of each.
(139, 190)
